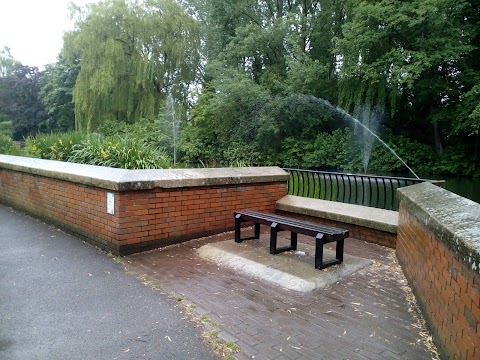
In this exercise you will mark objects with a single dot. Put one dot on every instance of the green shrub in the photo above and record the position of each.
(419, 157)
(146, 131)
(6, 144)
(6, 127)
(118, 152)
(53, 146)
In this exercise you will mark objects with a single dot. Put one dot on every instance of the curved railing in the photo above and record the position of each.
(366, 190)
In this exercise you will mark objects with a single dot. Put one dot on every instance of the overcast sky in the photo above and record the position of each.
(33, 29)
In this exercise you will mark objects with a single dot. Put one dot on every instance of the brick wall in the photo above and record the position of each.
(78, 208)
(355, 231)
(159, 217)
(446, 287)
(143, 219)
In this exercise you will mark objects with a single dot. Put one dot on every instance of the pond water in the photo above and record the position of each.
(466, 187)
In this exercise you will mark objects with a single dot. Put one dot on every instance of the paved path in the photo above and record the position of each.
(63, 299)
(364, 316)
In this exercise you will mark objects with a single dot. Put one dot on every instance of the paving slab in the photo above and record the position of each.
(61, 298)
(293, 270)
(368, 314)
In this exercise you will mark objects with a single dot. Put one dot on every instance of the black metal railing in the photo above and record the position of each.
(366, 190)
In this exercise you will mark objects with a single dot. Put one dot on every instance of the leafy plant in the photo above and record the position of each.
(6, 144)
(118, 152)
(53, 146)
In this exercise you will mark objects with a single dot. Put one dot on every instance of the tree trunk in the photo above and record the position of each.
(438, 139)
(475, 151)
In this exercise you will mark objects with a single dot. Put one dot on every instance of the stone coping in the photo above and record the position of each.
(373, 218)
(128, 180)
(455, 220)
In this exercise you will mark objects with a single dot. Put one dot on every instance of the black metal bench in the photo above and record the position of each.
(322, 234)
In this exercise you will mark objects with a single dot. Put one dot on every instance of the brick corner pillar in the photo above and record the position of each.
(438, 247)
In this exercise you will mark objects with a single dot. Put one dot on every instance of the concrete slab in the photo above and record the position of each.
(293, 270)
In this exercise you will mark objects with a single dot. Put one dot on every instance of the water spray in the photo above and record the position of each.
(356, 121)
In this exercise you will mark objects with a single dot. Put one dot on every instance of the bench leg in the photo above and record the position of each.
(238, 227)
(319, 251)
(257, 231)
(274, 230)
(319, 263)
(238, 222)
(293, 241)
(273, 238)
(339, 250)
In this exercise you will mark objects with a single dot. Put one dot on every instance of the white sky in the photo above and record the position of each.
(33, 29)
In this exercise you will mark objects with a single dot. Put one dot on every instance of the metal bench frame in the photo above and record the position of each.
(277, 223)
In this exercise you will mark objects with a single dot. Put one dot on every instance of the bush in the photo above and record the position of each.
(118, 152)
(419, 157)
(148, 132)
(6, 144)
(6, 127)
(53, 146)
(336, 151)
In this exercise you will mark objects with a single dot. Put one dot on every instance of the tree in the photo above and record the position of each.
(131, 54)
(56, 87)
(19, 100)
(7, 62)
(269, 39)
(407, 59)
(260, 54)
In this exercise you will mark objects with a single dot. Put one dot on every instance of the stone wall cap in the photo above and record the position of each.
(126, 180)
(455, 220)
(373, 218)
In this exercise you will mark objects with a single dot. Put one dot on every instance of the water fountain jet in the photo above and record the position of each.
(346, 115)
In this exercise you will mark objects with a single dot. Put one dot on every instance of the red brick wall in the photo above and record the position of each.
(143, 219)
(358, 232)
(447, 291)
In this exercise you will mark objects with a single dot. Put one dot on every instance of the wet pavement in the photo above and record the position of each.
(61, 298)
(370, 314)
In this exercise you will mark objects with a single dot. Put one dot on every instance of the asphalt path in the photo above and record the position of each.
(61, 298)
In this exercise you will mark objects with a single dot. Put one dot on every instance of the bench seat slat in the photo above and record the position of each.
(270, 217)
(300, 226)
(323, 234)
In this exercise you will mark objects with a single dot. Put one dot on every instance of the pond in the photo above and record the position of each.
(463, 186)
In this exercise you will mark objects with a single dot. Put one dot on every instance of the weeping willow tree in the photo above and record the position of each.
(131, 53)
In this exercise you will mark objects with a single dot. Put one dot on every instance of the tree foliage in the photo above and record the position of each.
(415, 63)
(248, 78)
(7, 62)
(131, 54)
(19, 101)
(56, 87)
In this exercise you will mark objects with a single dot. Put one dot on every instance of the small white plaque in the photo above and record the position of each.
(110, 203)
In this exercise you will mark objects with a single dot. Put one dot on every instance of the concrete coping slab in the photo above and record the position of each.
(455, 220)
(125, 180)
(292, 270)
(373, 218)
